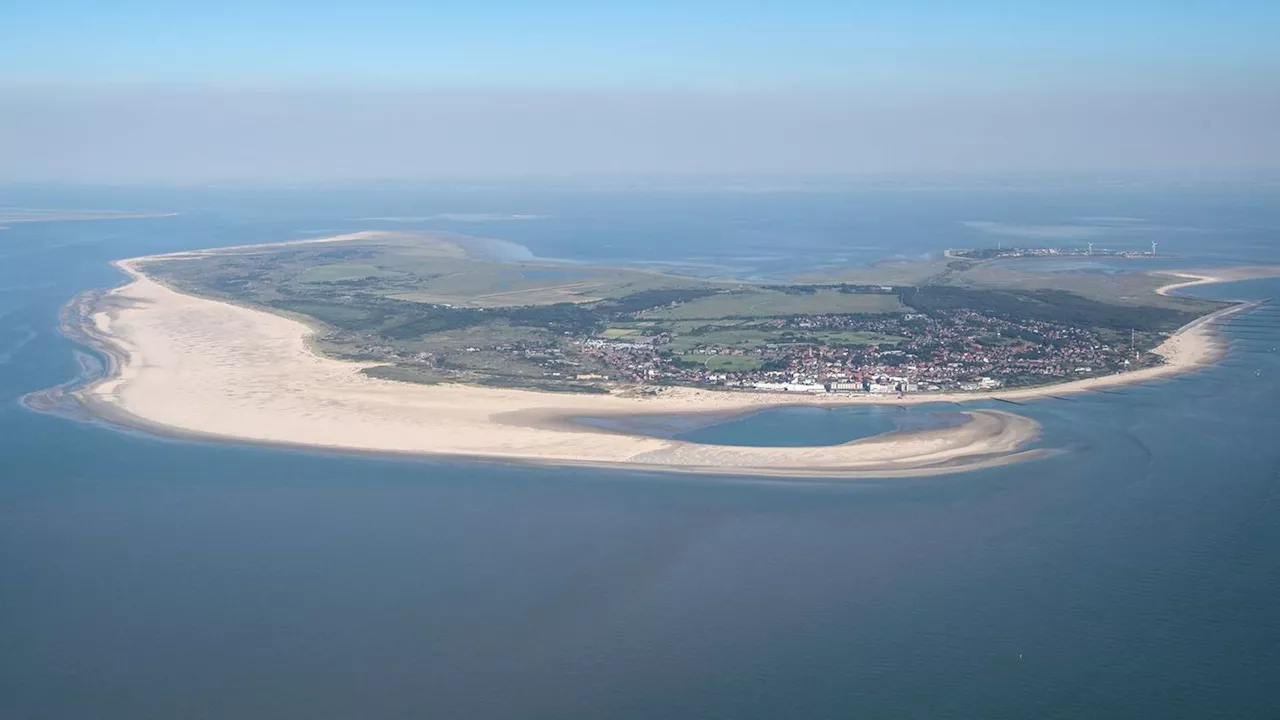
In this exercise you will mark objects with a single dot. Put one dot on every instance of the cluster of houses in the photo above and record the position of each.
(882, 385)
(945, 350)
(1016, 252)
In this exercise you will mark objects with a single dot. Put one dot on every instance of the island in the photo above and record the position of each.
(446, 346)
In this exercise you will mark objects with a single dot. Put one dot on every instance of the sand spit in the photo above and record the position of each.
(1217, 275)
(187, 365)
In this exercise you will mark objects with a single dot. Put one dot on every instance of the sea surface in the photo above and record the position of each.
(1136, 573)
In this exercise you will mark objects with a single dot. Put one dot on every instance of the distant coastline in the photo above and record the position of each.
(184, 365)
(23, 215)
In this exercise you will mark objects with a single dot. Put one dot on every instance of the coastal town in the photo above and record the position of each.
(599, 330)
(1001, 252)
(945, 351)
(939, 340)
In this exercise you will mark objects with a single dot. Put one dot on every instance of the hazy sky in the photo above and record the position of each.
(151, 91)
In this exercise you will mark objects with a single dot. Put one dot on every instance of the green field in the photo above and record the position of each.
(760, 302)
(732, 337)
(616, 333)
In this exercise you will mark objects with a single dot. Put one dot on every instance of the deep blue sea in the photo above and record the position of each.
(1134, 574)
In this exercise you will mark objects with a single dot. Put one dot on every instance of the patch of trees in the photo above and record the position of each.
(560, 317)
(650, 299)
(235, 284)
(1053, 306)
(344, 254)
(543, 385)
(333, 314)
(403, 320)
(392, 319)
(429, 319)
(845, 288)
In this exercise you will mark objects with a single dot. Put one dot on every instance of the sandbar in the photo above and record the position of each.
(1191, 278)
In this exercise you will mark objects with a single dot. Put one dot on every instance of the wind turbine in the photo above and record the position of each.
(1153, 248)
(1090, 251)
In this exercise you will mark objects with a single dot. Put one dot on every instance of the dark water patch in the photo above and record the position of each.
(796, 426)
(665, 426)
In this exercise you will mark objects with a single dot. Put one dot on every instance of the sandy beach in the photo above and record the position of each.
(202, 368)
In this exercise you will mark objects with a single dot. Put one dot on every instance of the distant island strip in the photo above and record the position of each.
(10, 215)
(186, 364)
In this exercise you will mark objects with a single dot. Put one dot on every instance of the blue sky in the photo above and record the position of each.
(137, 91)
(812, 44)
